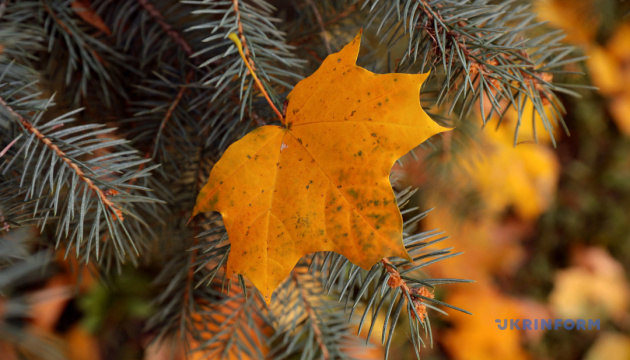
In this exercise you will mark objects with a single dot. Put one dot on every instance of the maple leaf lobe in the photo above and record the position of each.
(321, 182)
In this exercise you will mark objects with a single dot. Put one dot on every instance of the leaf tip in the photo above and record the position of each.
(358, 37)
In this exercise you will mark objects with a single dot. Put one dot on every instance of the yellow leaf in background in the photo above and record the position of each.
(47, 305)
(610, 346)
(595, 288)
(610, 72)
(620, 110)
(608, 65)
(320, 182)
(619, 44)
(523, 177)
(489, 180)
(487, 245)
(532, 126)
(604, 72)
(576, 18)
(81, 344)
(619, 48)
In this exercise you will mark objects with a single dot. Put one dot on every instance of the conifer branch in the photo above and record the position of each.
(396, 281)
(102, 195)
(349, 11)
(306, 322)
(168, 29)
(171, 109)
(313, 317)
(481, 56)
(440, 28)
(322, 27)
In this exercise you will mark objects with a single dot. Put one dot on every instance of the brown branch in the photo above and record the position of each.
(342, 15)
(190, 276)
(57, 19)
(171, 109)
(167, 117)
(168, 29)
(103, 195)
(191, 271)
(318, 16)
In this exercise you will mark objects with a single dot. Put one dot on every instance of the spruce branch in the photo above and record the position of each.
(307, 323)
(481, 55)
(104, 196)
(310, 313)
(169, 113)
(264, 49)
(88, 56)
(168, 29)
(230, 326)
(321, 24)
(395, 280)
(438, 28)
(72, 177)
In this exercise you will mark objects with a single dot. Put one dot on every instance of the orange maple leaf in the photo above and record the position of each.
(321, 181)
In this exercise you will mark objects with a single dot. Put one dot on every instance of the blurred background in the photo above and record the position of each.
(545, 230)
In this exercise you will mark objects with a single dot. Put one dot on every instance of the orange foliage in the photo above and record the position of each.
(225, 321)
(574, 17)
(608, 64)
(611, 73)
(516, 180)
(478, 337)
(81, 344)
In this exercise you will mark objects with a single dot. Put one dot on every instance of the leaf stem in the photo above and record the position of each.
(239, 46)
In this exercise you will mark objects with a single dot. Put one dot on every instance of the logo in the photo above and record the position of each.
(548, 324)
